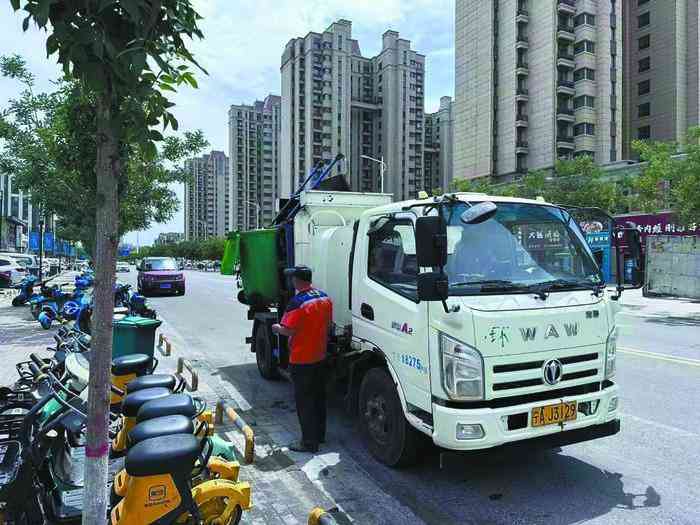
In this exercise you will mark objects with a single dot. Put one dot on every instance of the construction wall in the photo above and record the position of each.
(672, 266)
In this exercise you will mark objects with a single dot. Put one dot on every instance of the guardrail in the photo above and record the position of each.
(221, 409)
(164, 345)
(182, 365)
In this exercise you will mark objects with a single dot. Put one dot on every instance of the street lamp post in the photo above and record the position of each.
(382, 167)
(2, 213)
(258, 214)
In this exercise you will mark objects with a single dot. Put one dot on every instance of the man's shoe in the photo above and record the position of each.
(303, 447)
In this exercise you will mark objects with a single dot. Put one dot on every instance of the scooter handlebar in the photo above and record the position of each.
(37, 360)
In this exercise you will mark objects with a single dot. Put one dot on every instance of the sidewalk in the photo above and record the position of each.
(634, 303)
(282, 491)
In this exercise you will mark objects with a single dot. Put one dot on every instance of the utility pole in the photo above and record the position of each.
(41, 249)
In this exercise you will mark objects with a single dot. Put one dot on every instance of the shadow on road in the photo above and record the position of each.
(673, 321)
(519, 485)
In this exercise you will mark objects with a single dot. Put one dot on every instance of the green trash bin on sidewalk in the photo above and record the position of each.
(134, 335)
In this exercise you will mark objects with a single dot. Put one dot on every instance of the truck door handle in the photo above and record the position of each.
(367, 311)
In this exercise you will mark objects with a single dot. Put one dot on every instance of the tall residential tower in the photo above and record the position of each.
(207, 196)
(439, 139)
(661, 70)
(334, 100)
(254, 132)
(536, 81)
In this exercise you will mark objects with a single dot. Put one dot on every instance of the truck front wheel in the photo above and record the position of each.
(387, 434)
(267, 363)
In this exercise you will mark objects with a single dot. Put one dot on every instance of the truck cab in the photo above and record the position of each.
(475, 321)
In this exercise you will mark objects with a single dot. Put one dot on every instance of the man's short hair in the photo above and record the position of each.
(303, 273)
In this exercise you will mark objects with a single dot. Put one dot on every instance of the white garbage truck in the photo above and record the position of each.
(475, 321)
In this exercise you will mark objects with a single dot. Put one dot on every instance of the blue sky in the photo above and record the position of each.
(241, 51)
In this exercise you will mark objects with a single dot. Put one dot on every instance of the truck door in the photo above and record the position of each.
(385, 306)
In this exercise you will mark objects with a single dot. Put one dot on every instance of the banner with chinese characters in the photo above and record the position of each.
(665, 223)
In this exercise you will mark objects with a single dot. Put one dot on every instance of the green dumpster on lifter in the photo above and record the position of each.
(134, 335)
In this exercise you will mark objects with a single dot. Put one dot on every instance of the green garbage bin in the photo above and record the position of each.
(134, 335)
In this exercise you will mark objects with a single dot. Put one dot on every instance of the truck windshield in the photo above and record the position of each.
(523, 248)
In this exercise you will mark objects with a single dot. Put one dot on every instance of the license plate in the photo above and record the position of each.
(553, 414)
(166, 285)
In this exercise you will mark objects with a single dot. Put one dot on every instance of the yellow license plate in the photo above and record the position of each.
(553, 414)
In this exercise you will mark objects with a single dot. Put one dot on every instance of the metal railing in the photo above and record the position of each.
(565, 138)
(566, 83)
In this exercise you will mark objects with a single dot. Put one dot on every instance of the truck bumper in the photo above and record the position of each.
(494, 422)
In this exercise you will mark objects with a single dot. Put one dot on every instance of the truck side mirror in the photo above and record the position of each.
(431, 241)
(432, 286)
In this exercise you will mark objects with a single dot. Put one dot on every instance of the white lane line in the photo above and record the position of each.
(686, 433)
(660, 357)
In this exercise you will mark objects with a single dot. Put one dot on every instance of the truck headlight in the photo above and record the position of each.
(462, 370)
(610, 353)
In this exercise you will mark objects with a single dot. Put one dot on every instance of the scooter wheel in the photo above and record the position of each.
(18, 301)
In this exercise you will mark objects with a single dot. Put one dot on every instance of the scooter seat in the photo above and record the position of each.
(176, 404)
(134, 401)
(151, 381)
(161, 426)
(173, 455)
(138, 364)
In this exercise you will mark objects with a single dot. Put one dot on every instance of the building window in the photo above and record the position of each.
(584, 101)
(642, 2)
(340, 41)
(645, 42)
(644, 64)
(584, 73)
(644, 133)
(644, 19)
(584, 128)
(644, 109)
(584, 46)
(644, 87)
(584, 18)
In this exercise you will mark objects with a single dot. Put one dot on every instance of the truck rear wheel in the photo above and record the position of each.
(267, 363)
(387, 434)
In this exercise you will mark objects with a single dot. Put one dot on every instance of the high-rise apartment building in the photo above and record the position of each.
(661, 70)
(536, 81)
(334, 100)
(254, 132)
(438, 143)
(207, 198)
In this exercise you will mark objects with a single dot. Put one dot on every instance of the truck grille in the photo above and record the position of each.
(527, 375)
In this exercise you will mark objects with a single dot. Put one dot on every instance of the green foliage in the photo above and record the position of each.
(211, 249)
(50, 149)
(667, 182)
(577, 182)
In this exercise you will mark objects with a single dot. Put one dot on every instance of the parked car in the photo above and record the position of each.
(160, 274)
(11, 271)
(123, 267)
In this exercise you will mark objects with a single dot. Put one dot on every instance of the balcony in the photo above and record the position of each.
(522, 42)
(567, 6)
(565, 114)
(521, 146)
(566, 87)
(565, 142)
(565, 60)
(565, 32)
(521, 68)
(522, 15)
(521, 121)
(522, 95)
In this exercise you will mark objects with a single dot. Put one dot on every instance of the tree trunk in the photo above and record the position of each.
(107, 170)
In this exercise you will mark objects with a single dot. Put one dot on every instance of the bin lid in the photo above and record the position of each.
(140, 322)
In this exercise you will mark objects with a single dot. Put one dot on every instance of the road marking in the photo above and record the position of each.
(663, 426)
(660, 357)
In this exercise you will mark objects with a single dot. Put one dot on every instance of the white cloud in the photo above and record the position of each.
(243, 44)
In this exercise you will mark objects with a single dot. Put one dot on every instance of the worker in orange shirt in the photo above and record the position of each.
(306, 321)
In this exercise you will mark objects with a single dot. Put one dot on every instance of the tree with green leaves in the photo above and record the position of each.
(48, 138)
(576, 182)
(669, 180)
(125, 54)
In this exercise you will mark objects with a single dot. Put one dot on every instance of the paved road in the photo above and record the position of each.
(646, 474)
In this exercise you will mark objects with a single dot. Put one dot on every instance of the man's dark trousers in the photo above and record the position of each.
(310, 396)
